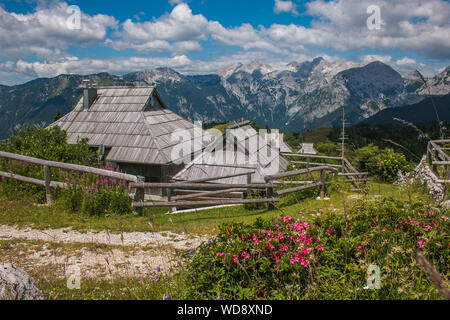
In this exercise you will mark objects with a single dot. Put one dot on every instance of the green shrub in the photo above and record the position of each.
(86, 193)
(95, 195)
(328, 259)
(47, 144)
(385, 164)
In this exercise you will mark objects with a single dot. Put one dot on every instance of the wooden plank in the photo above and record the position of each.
(434, 275)
(322, 183)
(22, 178)
(237, 194)
(48, 180)
(53, 184)
(286, 183)
(216, 178)
(298, 172)
(270, 194)
(205, 194)
(316, 164)
(443, 155)
(440, 163)
(440, 141)
(292, 190)
(139, 197)
(199, 186)
(310, 156)
(68, 166)
(353, 174)
(202, 203)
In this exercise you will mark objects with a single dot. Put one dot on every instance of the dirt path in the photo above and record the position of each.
(98, 255)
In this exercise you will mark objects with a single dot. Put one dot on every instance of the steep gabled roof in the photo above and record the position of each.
(307, 148)
(243, 159)
(127, 120)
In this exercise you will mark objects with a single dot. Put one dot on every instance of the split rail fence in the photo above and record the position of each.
(347, 170)
(439, 159)
(192, 194)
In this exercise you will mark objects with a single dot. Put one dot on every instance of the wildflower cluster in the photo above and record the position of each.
(266, 254)
(326, 257)
(95, 195)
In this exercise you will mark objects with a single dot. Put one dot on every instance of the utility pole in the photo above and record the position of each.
(343, 138)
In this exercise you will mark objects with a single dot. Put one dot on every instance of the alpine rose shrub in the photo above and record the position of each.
(326, 259)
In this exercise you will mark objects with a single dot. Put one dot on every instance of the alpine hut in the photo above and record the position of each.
(131, 127)
(241, 150)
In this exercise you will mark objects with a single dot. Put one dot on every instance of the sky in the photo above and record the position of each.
(45, 38)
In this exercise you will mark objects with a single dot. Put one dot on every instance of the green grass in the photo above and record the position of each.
(25, 213)
(117, 289)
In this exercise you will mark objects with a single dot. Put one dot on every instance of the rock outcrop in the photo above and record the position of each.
(424, 174)
(16, 284)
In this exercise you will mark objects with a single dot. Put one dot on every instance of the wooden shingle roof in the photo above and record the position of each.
(121, 119)
(245, 158)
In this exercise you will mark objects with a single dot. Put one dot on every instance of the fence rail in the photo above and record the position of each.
(358, 179)
(201, 192)
(47, 165)
(439, 161)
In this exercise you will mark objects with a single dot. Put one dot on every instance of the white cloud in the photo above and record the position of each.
(26, 70)
(285, 6)
(415, 27)
(165, 32)
(45, 32)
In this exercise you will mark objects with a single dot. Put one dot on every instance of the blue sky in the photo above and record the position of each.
(38, 38)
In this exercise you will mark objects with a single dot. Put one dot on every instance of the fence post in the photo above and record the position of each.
(322, 187)
(139, 196)
(48, 181)
(269, 195)
(169, 199)
(249, 181)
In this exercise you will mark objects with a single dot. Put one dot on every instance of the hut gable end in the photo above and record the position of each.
(133, 123)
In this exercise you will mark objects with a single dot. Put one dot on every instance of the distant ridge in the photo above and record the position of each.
(417, 113)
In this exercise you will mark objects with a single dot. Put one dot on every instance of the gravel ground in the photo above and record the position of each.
(98, 255)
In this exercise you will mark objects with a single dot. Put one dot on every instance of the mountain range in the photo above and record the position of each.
(296, 97)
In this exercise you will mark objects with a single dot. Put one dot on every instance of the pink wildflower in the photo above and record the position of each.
(245, 255)
(330, 232)
(220, 254)
(305, 251)
(235, 258)
(320, 248)
(421, 244)
(361, 248)
(286, 219)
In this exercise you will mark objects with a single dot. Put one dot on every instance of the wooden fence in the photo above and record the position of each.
(439, 160)
(358, 179)
(205, 193)
(47, 182)
(192, 194)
